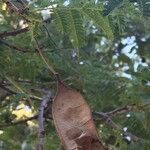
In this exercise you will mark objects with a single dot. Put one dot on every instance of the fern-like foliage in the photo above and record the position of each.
(70, 20)
(94, 13)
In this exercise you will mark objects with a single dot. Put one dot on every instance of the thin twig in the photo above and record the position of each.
(20, 49)
(107, 116)
(126, 109)
(7, 89)
(112, 124)
(13, 33)
(13, 46)
(11, 92)
(121, 110)
(50, 36)
(45, 61)
(24, 50)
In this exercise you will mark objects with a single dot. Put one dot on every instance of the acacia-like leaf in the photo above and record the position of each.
(95, 14)
(73, 121)
(69, 21)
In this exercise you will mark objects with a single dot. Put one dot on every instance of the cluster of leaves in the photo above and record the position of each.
(82, 40)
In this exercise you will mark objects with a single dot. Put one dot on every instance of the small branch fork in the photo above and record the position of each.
(107, 116)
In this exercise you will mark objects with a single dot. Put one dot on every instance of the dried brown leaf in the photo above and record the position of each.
(73, 121)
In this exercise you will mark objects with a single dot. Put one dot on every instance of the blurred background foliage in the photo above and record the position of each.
(99, 47)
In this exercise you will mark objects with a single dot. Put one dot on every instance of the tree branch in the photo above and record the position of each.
(107, 116)
(11, 92)
(112, 124)
(13, 46)
(40, 116)
(13, 33)
(7, 89)
(120, 111)
(126, 109)
(99, 115)
(41, 119)
(25, 50)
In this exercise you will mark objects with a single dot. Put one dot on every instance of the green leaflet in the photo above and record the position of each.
(69, 20)
(78, 33)
(97, 18)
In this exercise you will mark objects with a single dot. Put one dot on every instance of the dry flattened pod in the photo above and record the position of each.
(73, 121)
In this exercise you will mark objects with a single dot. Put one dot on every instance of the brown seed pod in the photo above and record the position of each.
(73, 121)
